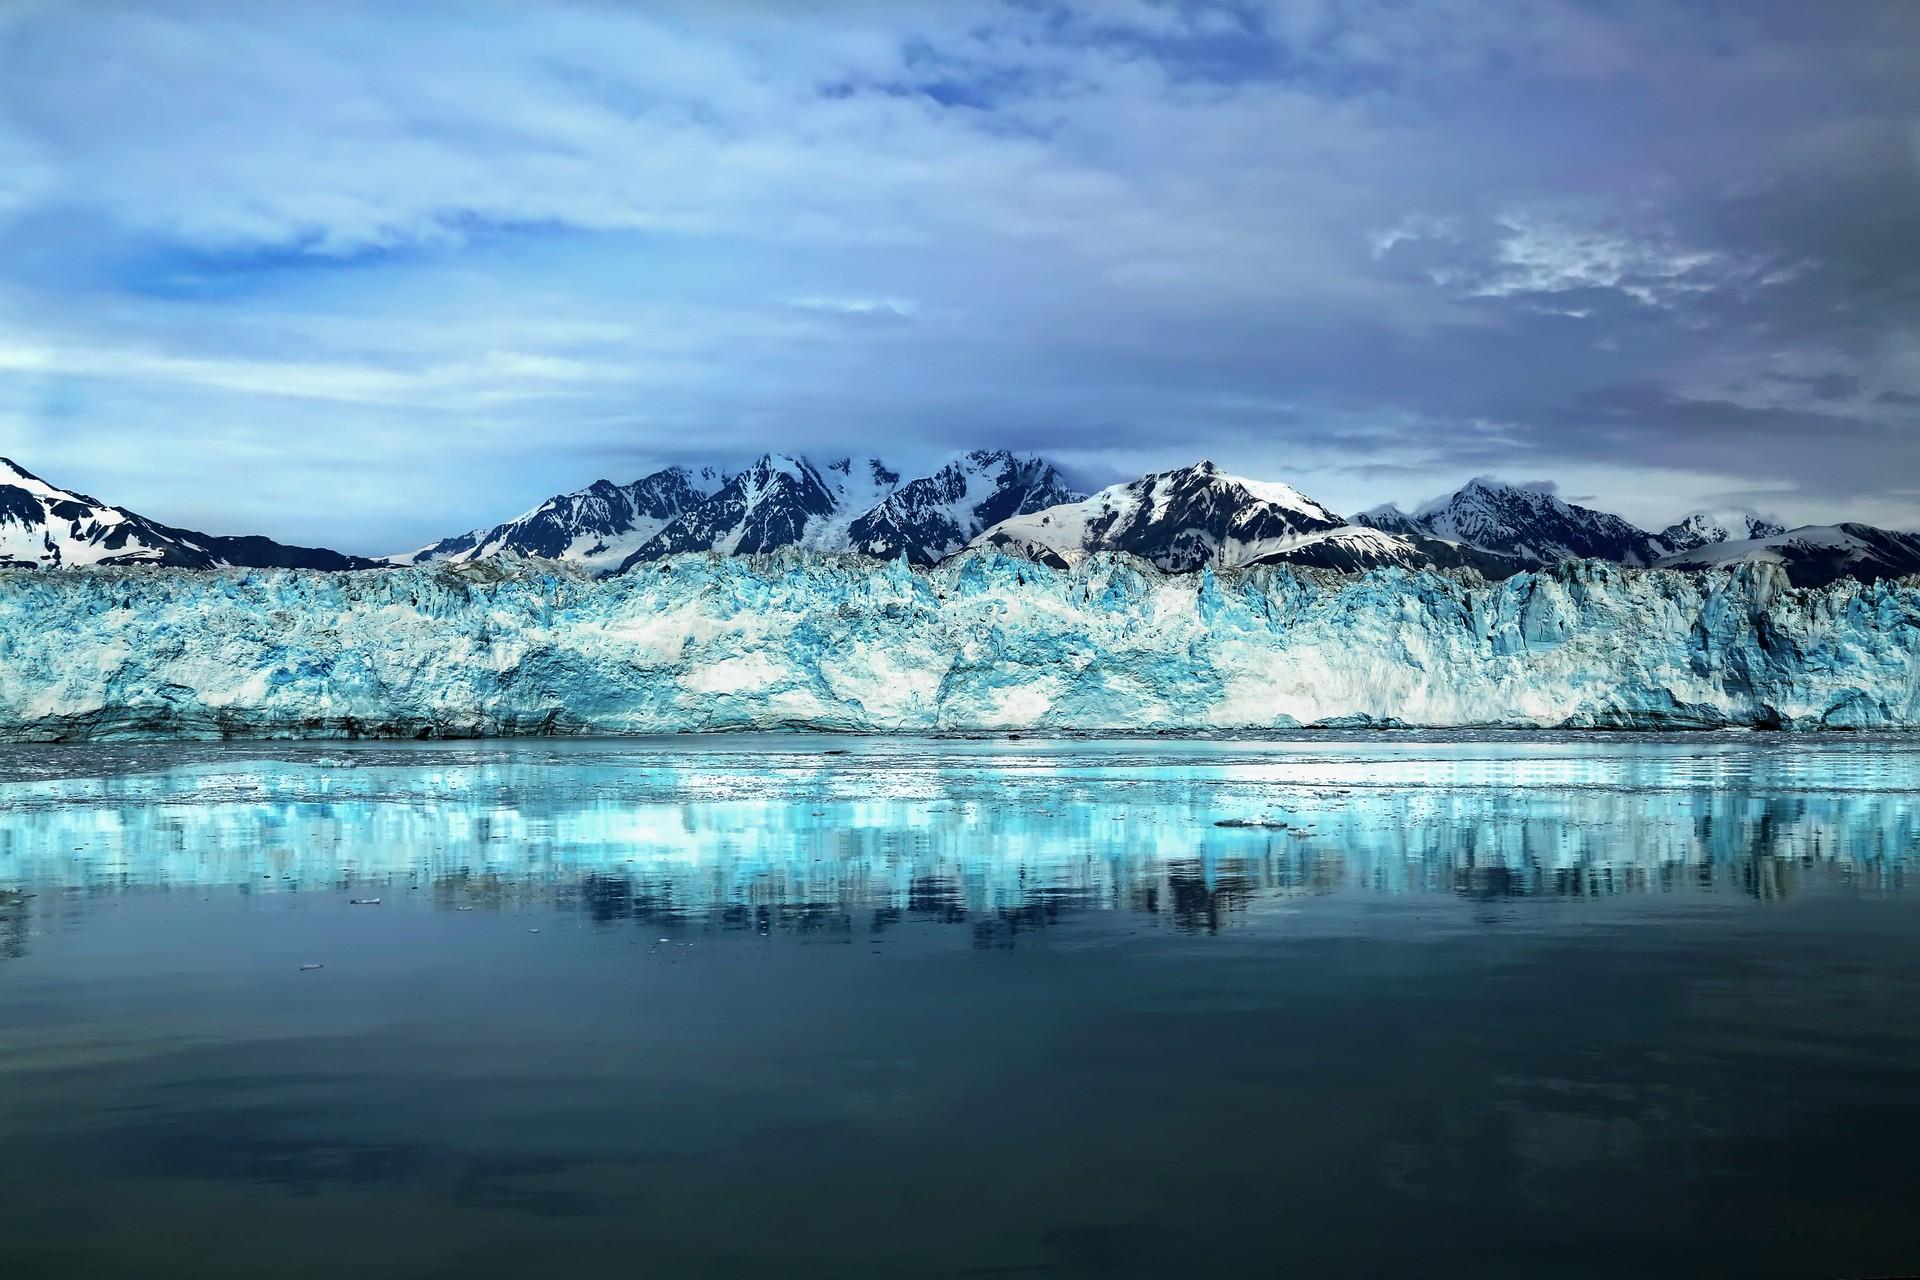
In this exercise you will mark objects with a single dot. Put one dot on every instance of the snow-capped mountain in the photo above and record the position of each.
(930, 518)
(1704, 528)
(779, 501)
(1814, 555)
(598, 526)
(1198, 516)
(1527, 524)
(44, 525)
(1181, 520)
(1388, 518)
(1532, 527)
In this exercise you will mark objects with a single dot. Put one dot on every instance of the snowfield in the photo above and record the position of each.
(986, 641)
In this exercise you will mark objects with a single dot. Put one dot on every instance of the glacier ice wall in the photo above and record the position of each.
(983, 642)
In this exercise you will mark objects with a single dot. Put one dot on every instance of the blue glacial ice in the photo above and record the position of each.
(985, 642)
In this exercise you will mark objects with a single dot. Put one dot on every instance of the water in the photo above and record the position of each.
(1485, 1006)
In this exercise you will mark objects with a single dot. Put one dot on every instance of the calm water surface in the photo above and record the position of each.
(792, 1006)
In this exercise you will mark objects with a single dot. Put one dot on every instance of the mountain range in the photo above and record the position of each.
(598, 526)
(1200, 517)
(1181, 520)
(1815, 555)
(44, 525)
(1535, 527)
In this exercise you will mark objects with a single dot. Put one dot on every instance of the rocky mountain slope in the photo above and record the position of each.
(1527, 524)
(779, 501)
(598, 526)
(929, 519)
(57, 528)
(1814, 555)
(1180, 520)
(1201, 517)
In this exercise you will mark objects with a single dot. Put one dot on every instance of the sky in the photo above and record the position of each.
(365, 275)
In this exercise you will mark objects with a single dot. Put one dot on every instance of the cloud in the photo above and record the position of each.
(482, 252)
(896, 308)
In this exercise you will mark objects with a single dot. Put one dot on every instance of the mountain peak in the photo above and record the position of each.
(1814, 555)
(781, 463)
(1388, 518)
(1184, 519)
(1699, 529)
(782, 500)
(44, 525)
(928, 519)
(597, 526)
(1493, 488)
(16, 476)
(1383, 515)
(1530, 523)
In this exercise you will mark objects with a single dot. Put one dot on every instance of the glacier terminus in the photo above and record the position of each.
(984, 641)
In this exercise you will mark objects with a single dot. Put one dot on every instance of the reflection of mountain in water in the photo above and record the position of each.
(1003, 843)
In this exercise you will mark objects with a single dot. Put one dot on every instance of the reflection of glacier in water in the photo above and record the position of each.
(808, 833)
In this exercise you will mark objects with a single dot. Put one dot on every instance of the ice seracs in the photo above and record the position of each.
(41, 524)
(982, 641)
(598, 526)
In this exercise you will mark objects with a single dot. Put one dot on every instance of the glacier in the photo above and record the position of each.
(983, 642)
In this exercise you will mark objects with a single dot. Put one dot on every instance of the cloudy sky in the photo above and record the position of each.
(365, 275)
